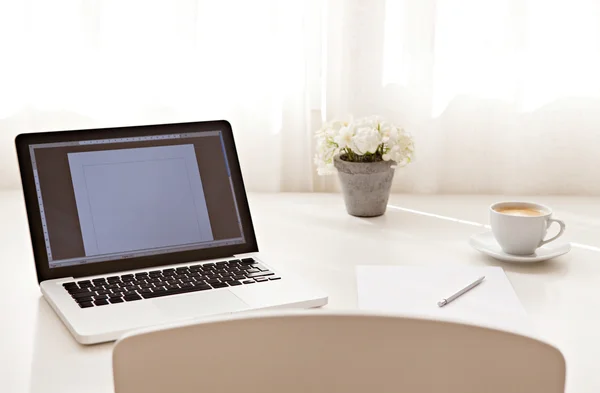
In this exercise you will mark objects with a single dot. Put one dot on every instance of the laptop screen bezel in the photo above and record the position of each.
(44, 272)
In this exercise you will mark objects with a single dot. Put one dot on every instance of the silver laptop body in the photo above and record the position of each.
(139, 226)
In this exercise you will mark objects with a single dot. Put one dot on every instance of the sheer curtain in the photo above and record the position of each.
(502, 96)
(71, 64)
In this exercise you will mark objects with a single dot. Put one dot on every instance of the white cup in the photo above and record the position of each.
(522, 234)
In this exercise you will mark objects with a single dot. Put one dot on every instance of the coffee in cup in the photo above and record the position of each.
(521, 211)
(520, 227)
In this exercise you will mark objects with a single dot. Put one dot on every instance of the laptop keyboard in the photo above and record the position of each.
(167, 282)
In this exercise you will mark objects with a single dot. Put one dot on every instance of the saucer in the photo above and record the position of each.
(485, 243)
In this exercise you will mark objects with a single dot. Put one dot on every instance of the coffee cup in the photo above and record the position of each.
(520, 227)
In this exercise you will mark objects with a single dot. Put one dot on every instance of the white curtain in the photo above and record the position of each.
(502, 96)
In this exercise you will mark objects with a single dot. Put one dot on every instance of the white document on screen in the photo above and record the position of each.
(141, 198)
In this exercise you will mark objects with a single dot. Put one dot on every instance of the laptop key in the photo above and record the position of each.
(132, 298)
(219, 285)
(100, 297)
(260, 267)
(104, 292)
(115, 300)
(81, 294)
(73, 291)
(273, 278)
(70, 284)
(83, 299)
(252, 270)
(259, 274)
(239, 277)
(101, 302)
(247, 261)
(186, 285)
(129, 293)
(115, 296)
(86, 304)
(175, 291)
(145, 290)
(171, 287)
(234, 283)
(261, 279)
(248, 282)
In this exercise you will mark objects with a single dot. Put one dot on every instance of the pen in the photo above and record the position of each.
(466, 289)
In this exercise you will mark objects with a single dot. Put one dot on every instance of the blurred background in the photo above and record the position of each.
(502, 96)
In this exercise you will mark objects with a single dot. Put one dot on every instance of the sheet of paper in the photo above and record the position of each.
(415, 291)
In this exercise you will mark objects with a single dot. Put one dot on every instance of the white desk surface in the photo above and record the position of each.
(312, 235)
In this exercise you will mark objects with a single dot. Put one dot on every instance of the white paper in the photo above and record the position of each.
(415, 291)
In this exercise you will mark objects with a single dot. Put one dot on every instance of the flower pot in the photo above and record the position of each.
(366, 186)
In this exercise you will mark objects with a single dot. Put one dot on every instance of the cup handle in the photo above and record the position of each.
(562, 230)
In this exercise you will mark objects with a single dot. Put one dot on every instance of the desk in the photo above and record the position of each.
(311, 235)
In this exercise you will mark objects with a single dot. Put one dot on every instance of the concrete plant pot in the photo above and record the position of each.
(366, 186)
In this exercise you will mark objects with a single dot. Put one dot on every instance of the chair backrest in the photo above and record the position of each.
(316, 351)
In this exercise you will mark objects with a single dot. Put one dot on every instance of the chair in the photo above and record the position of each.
(325, 352)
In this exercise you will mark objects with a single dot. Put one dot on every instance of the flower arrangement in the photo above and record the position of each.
(368, 139)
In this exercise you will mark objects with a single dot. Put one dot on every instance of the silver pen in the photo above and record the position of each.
(466, 289)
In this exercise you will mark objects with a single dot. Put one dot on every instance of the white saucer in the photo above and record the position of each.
(486, 243)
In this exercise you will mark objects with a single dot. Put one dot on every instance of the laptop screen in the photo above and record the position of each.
(111, 199)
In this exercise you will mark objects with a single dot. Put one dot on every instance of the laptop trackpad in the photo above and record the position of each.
(199, 304)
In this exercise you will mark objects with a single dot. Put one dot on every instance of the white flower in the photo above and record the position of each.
(371, 135)
(366, 140)
(344, 137)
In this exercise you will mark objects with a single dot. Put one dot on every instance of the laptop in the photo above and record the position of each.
(140, 226)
